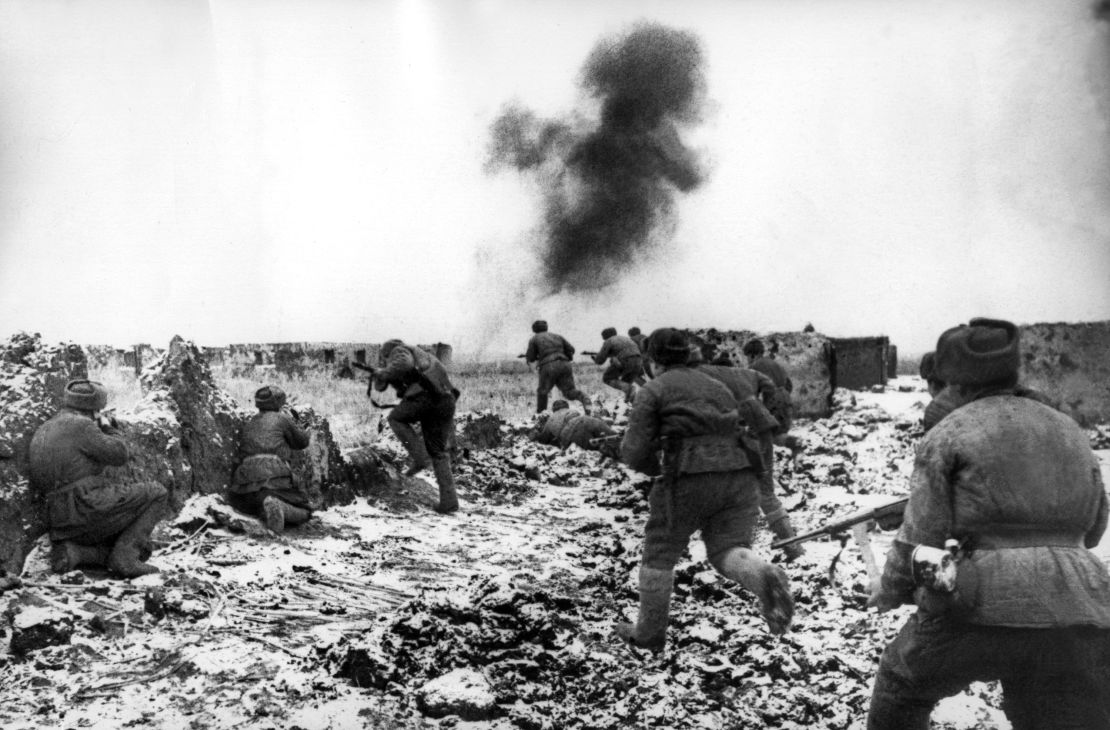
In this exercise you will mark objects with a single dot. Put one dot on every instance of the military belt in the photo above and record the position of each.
(1027, 538)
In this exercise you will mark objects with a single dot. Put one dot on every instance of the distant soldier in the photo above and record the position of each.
(780, 403)
(263, 484)
(708, 483)
(92, 521)
(565, 427)
(626, 364)
(427, 398)
(944, 400)
(641, 341)
(1015, 486)
(553, 354)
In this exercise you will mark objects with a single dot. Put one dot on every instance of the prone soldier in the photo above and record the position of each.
(92, 520)
(564, 427)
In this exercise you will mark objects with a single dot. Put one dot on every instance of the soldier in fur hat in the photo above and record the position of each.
(552, 354)
(1014, 483)
(626, 364)
(92, 520)
(263, 483)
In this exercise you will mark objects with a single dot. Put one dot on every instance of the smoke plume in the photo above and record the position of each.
(609, 185)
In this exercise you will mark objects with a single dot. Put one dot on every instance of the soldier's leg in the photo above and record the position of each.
(666, 536)
(401, 420)
(66, 555)
(570, 391)
(126, 556)
(437, 423)
(612, 378)
(278, 513)
(728, 538)
(543, 390)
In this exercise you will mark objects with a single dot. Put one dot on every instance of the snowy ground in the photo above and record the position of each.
(339, 623)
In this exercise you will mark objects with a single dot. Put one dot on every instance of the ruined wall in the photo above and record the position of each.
(859, 362)
(1070, 363)
(805, 355)
(892, 362)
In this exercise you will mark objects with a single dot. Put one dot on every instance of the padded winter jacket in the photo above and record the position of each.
(692, 417)
(619, 348)
(545, 347)
(412, 370)
(1017, 481)
(71, 446)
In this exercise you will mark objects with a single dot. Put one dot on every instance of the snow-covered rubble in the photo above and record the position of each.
(382, 613)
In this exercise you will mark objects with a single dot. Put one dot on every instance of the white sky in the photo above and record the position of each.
(238, 171)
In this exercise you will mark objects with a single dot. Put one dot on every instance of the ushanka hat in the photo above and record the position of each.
(669, 346)
(608, 332)
(540, 325)
(85, 395)
(269, 398)
(928, 367)
(982, 351)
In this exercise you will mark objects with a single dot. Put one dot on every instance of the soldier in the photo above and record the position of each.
(263, 484)
(780, 403)
(641, 341)
(626, 365)
(553, 354)
(745, 385)
(1016, 485)
(427, 398)
(565, 427)
(708, 483)
(92, 521)
(945, 400)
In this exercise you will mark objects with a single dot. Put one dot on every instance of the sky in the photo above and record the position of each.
(316, 170)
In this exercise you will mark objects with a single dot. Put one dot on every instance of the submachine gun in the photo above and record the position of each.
(887, 516)
(370, 385)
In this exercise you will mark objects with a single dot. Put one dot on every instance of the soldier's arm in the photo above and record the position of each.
(103, 448)
(1094, 535)
(399, 365)
(638, 448)
(758, 419)
(294, 435)
(568, 349)
(604, 353)
(530, 353)
(765, 386)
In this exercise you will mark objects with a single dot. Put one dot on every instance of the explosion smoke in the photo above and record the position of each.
(609, 189)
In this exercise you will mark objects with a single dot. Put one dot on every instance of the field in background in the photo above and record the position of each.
(507, 388)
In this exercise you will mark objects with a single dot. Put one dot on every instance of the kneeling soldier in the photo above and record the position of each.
(92, 521)
(263, 484)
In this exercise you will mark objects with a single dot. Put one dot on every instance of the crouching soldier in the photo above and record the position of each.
(626, 364)
(552, 353)
(565, 427)
(708, 483)
(92, 521)
(263, 484)
(427, 398)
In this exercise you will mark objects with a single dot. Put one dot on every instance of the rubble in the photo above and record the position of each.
(461, 692)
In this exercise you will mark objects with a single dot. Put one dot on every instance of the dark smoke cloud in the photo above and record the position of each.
(609, 186)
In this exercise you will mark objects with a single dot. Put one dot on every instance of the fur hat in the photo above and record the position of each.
(669, 346)
(981, 352)
(559, 405)
(388, 347)
(540, 325)
(754, 347)
(269, 398)
(85, 395)
(608, 332)
(633, 331)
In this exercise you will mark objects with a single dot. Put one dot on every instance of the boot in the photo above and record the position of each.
(279, 513)
(650, 629)
(541, 402)
(782, 529)
(125, 557)
(448, 498)
(414, 445)
(66, 556)
(767, 581)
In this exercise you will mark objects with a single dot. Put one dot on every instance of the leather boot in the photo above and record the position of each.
(414, 445)
(279, 513)
(125, 557)
(448, 498)
(66, 556)
(782, 529)
(650, 630)
(767, 581)
(541, 402)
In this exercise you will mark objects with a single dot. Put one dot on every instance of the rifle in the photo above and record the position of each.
(523, 356)
(370, 385)
(884, 514)
(604, 439)
(588, 353)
